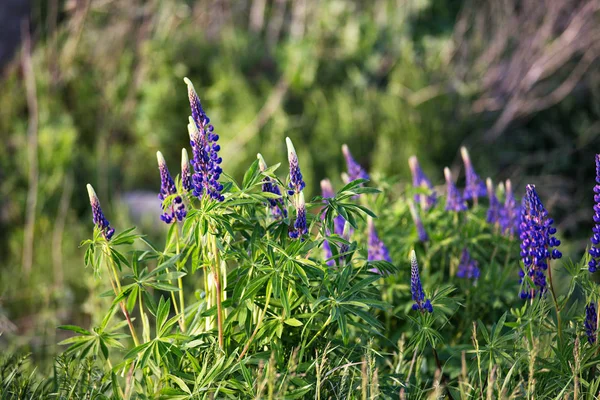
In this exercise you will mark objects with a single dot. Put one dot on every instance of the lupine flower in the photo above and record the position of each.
(355, 171)
(595, 239)
(176, 210)
(299, 228)
(416, 288)
(509, 216)
(270, 186)
(474, 187)
(98, 216)
(296, 183)
(495, 208)
(454, 200)
(591, 322)
(421, 180)
(537, 241)
(423, 237)
(206, 160)
(376, 249)
(186, 176)
(467, 268)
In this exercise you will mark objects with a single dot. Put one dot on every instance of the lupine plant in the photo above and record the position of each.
(374, 290)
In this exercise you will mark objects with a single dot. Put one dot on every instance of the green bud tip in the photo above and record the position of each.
(92, 193)
(465, 155)
(261, 162)
(160, 158)
(448, 174)
(290, 148)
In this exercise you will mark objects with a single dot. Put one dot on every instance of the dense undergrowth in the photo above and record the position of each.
(376, 290)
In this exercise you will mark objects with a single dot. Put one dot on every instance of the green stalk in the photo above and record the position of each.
(179, 284)
(111, 266)
(216, 272)
(258, 324)
(558, 321)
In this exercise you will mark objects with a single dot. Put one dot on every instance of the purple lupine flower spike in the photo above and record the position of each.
(467, 268)
(186, 176)
(423, 237)
(355, 171)
(98, 216)
(510, 215)
(276, 206)
(299, 229)
(474, 187)
(421, 180)
(595, 239)
(591, 322)
(205, 150)
(416, 289)
(454, 200)
(537, 241)
(376, 249)
(495, 208)
(176, 210)
(296, 183)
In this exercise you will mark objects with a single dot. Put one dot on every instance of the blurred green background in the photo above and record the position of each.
(95, 88)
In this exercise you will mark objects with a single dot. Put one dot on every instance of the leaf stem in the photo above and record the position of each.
(179, 284)
(216, 268)
(558, 321)
(111, 266)
(258, 323)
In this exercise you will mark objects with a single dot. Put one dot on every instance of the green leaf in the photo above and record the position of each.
(74, 328)
(293, 322)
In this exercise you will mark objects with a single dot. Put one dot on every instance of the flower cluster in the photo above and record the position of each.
(510, 212)
(355, 171)
(537, 241)
(467, 268)
(206, 160)
(376, 250)
(422, 234)
(186, 176)
(595, 239)
(416, 289)
(296, 184)
(495, 208)
(300, 227)
(276, 206)
(421, 180)
(176, 210)
(98, 216)
(591, 322)
(454, 200)
(474, 187)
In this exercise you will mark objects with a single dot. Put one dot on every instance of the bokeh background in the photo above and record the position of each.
(91, 89)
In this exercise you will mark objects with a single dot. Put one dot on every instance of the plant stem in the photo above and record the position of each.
(111, 266)
(179, 284)
(558, 321)
(216, 268)
(443, 377)
(258, 323)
